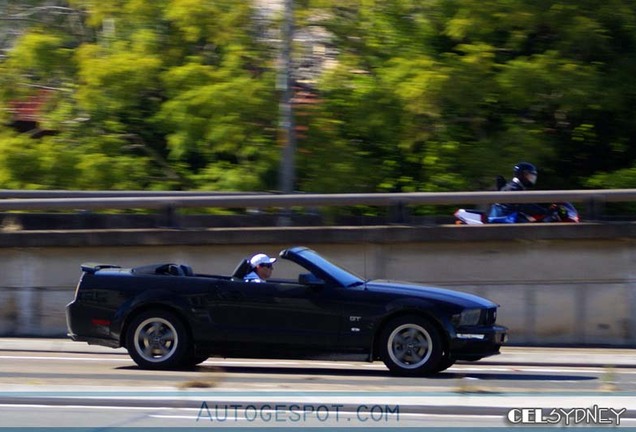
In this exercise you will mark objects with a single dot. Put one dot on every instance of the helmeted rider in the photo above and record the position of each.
(524, 177)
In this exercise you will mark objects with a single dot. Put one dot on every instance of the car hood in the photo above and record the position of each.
(439, 294)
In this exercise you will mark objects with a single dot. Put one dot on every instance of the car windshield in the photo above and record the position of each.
(343, 276)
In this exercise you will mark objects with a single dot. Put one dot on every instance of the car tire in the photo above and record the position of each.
(411, 346)
(157, 339)
(197, 360)
(444, 363)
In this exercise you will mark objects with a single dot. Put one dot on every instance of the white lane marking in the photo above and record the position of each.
(530, 369)
(334, 365)
(65, 358)
(345, 414)
(96, 407)
(209, 362)
(229, 419)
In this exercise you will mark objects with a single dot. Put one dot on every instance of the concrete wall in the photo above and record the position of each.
(556, 284)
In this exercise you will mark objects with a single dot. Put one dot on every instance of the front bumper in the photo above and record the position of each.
(474, 343)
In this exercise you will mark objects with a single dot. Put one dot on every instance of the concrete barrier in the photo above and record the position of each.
(556, 284)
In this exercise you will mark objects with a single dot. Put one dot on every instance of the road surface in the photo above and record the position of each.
(59, 383)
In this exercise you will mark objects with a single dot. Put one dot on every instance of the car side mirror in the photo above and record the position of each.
(310, 279)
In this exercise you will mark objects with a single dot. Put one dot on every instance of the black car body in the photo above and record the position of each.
(169, 317)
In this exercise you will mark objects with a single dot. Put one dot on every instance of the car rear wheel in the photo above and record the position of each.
(411, 346)
(157, 339)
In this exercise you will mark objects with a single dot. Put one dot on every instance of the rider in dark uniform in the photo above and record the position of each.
(524, 177)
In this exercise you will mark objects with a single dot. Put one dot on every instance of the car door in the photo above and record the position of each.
(278, 313)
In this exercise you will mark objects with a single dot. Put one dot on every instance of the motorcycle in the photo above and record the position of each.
(558, 212)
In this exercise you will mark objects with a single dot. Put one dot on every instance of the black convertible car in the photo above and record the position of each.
(169, 317)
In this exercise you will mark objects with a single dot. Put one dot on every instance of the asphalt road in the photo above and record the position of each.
(60, 383)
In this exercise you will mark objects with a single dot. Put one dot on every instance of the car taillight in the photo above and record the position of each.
(100, 322)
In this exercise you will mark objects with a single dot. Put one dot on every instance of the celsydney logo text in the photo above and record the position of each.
(594, 415)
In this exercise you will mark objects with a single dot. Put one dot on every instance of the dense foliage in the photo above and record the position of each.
(412, 95)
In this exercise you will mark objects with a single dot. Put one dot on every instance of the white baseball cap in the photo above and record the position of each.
(259, 259)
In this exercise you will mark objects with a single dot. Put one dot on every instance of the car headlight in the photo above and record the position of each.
(468, 317)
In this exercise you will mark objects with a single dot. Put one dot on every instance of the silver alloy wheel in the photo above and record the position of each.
(156, 339)
(409, 346)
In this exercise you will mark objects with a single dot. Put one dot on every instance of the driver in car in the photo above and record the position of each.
(262, 267)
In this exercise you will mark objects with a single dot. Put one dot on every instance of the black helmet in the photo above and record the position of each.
(526, 173)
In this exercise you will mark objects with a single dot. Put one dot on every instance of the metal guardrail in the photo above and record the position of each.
(86, 200)
(47, 194)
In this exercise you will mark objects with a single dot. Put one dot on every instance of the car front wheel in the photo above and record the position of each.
(444, 363)
(157, 339)
(411, 346)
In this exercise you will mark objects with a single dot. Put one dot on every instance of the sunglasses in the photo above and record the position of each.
(265, 265)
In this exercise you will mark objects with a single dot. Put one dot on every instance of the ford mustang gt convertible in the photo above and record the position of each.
(169, 317)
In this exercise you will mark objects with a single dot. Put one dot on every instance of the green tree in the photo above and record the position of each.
(413, 95)
(476, 86)
(157, 95)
